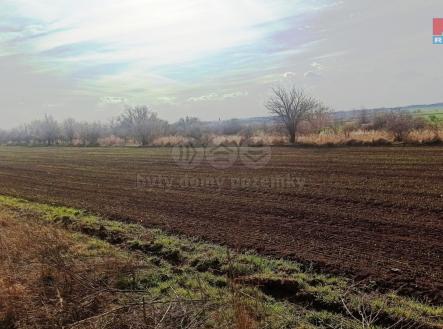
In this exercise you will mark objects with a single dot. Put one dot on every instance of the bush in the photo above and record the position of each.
(398, 123)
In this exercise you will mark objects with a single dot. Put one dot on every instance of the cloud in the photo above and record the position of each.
(113, 100)
(316, 73)
(169, 100)
(151, 32)
(317, 66)
(157, 51)
(235, 94)
(179, 55)
(288, 75)
(204, 98)
(217, 97)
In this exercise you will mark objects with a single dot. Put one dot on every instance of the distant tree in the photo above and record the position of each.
(45, 131)
(348, 128)
(231, 127)
(364, 117)
(320, 119)
(94, 131)
(141, 124)
(50, 130)
(379, 121)
(118, 130)
(69, 130)
(83, 132)
(400, 124)
(89, 133)
(189, 127)
(291, 106)
(21, 134)
(3, 136)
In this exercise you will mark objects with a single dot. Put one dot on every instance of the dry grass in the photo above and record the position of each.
(368, 137)
(357, 137)
(212, 139)
(49, 278)
(341, 138)
(268, 139)
(111, 141)
(425, 136)
(53, 278)
(170, 141)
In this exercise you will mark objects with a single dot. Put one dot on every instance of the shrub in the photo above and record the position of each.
(400, 124)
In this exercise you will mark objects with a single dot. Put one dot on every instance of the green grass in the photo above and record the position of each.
(434, 115)
(189, 268)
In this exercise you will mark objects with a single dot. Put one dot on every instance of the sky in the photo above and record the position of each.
(88, 59)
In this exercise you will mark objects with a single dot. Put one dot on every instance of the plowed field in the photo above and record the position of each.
(371, 213)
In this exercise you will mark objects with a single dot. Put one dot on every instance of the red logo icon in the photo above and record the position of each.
(438, 26)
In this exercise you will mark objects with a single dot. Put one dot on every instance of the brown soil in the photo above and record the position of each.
(373, 213)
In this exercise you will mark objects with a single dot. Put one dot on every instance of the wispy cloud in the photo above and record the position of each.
(289, 75)
(217, 97)
(113, 100)
(160, 52)
(156, 32)
(183, 56)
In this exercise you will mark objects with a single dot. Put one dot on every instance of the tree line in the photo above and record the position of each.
(294, 111)
(136, 125)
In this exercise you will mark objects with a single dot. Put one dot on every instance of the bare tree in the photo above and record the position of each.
(189, 127)
(363, 117)
(320, 118)
(45, 131)
(69, 130)
(3, 136)
(89, 133)
(21, 134)
(400, 124)
(231, 127)
(117, 129)
(50, 130)
(142, 124)
(292, 106)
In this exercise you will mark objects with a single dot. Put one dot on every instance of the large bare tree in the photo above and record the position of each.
(141, 124)
(292, 106)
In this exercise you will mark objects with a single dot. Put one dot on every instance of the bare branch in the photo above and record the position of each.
(291, 106)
